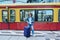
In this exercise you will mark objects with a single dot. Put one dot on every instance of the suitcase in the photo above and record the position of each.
(27, 31)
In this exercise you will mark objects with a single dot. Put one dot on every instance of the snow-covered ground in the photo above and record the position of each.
(39, 35)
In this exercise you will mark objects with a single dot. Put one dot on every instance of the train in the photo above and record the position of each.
(46, 16)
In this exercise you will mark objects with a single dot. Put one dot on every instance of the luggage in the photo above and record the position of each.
(27, 31)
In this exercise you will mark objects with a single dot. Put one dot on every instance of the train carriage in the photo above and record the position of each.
(46, 16)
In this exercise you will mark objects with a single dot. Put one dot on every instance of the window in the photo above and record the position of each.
(38, 15)
(12, 15)
(5, 16)
(24, 14)
(59, 16)
(45, 15)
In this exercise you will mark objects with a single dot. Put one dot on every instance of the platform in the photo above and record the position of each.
(39, 35)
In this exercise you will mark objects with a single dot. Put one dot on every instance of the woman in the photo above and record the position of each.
(30, 21)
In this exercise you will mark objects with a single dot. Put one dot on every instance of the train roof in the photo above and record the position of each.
(31, 5)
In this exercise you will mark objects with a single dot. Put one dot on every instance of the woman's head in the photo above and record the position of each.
(30, 14)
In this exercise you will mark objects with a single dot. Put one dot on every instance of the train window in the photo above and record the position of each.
(45, 15)
(12, 15)
(38, 15)
(59, 16)
(21, 15)
(5, 15)
(24, 14)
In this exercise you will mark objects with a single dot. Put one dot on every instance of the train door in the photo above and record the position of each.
(12, 24)
(5, 19)
(8, 18)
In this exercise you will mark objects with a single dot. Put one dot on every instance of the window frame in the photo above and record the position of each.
(20, 15)
(52, 15)
(7, 16)
(14, 16)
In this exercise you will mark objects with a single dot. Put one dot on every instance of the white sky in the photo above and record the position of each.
(11, 1)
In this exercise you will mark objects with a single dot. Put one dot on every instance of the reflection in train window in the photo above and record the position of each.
(59, 16)
(45, 15)
(5, 16)
(24, 14)
(12, 15)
